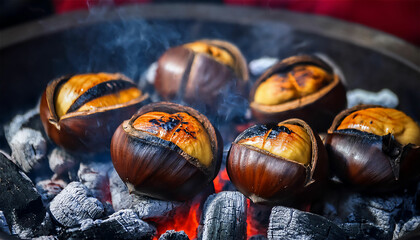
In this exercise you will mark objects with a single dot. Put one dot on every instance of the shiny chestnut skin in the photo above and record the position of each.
(159, 168)
(367, 161)
(199, 72)
(268, 178)
(91, 129)
(318, 109)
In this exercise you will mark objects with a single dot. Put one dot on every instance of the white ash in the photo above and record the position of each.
(50, 237)
(403, 228)
(74, 204)
(29, 149)
(224, 216)
(94, 175)
(260, 65)
(60, 161)
(19, 200)
(290, 224)
(144, 207)
(50, 188)
(384, 97)
(30, 119)
(4, 227)
(124, 224)
(174, 235)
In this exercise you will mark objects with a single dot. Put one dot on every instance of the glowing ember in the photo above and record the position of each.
(257, 219)
(183, 219)
(220, 181)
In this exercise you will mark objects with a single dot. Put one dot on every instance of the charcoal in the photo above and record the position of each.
(61, 161)
(74, 204)
(45, 228)
(29, 149)
(49, 189)
(124, 224)
(258, 237)
(224, 216)
(94, 175)
(144, 207)
(404, 228)
(174, 235)
(50, 237)
(30, 119)
(20, 202)
(368, 217)
(289, 223)
(4, 227)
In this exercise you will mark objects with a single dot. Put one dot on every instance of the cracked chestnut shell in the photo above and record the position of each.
(81, 112)
(278, 164)
(303, 87)
(374, 148)
(167, 151)
(201, 71)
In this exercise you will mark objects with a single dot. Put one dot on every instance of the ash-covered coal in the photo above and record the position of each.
(20, 202)
(174, 235)
(94, 175)
(145, 207)
(4, 226)
(124, 224)
(290, 224)
(61, 161)
(224, 216)
(75, 204)
(49, 188)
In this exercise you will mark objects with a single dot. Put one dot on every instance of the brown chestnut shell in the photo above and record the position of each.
(269, 179)
(190, 76)
(158, 168)
(370, 162)
(89, 131)
(317, 109)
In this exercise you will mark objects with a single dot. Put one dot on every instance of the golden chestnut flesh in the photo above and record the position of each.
(200, 72)
(374, 148)
(284, 163)
(181, 129)
(301, 86)
(384, 121)
(288, 141)
(81, 112)
(301, 81)
(167, 151)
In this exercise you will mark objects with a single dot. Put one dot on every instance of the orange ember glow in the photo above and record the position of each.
(182, 220)
(220, 181)
(257, 226)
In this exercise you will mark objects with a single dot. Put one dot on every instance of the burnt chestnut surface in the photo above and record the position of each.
(318, 108)
(92, 129)
(159, 168)
(271, 179)
(193, 76)
(368, 161)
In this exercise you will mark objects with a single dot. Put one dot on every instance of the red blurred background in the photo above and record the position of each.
(397, 17)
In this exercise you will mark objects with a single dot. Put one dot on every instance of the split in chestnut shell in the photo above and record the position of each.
(199, 72)
(268, 178)
(369, 158)
(152, 158)
(81, 112)
(303, 87)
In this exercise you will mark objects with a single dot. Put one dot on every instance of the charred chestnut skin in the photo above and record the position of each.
(84, 131)
(158, 168)
(198, 78)
(368, 162)
(269, 179)
(317, 109)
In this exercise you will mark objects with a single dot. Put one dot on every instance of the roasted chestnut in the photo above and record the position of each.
(81, 112)
(374, 148)
(302, 87)
(280, 163)
(200, 71)
(167, 151)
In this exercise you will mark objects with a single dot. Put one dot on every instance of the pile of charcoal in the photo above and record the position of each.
(48, 193)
